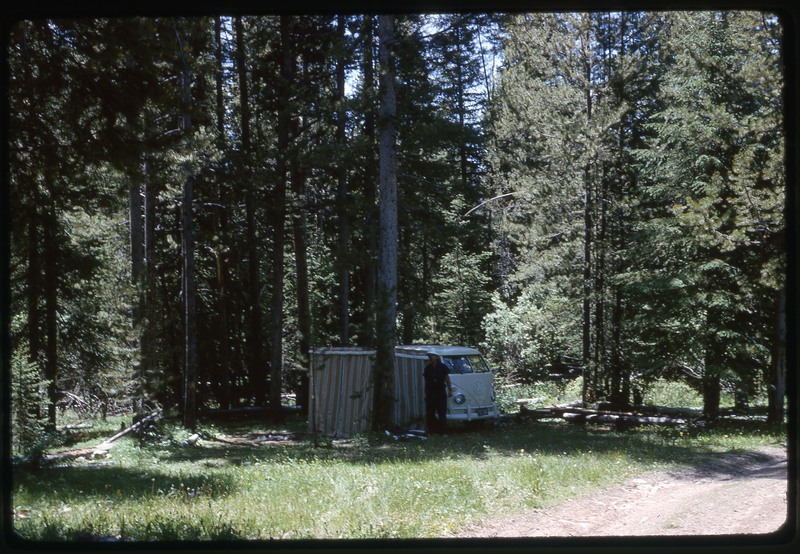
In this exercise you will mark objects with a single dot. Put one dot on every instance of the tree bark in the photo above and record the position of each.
(255, 372)
(33, 289)
(587, 289)
(342, 194)
(136, 238)
(149, 285)
(371, 178)
(190, 321)
(299, 225)
(222, 375)
(300, 235)
(776, 380)
(462, 142)
(386, 320)
(711, 394)
(136, 225)
(34, 271)
(51, 279)
(279, 215)
(619, 395)
(189, 288)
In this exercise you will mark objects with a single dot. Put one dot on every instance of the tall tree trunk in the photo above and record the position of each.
(371, 178)
(255, 372)
(189, 287)
(51, 279)
(34, 253)
(33, 289)
(711, 392)
(222, 376)
(776, 378)
(342, 194)
(386, 320)
(190, 320)
(618, 397)
(711, 381)
(299, 229)
(136, 237)
(299, 225)
(462, 142)
(279, 215)
(147, 338)
(136, 222)
(601, 358)
(588, 366)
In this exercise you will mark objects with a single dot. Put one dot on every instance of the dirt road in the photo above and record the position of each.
(740, 494)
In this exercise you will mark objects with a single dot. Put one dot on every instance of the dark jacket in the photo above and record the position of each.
(435, 376)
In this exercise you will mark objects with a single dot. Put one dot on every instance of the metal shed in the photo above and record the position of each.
(341, 390)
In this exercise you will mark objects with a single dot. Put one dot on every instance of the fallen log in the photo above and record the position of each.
(75, 397)
(634, 419)
(68, 455)
(685, 412)
(73, 426)
(573, 417)
(136, 425)
(537, 413)
(523, 402)
(191, 440)
(621, 419)
(101, 449)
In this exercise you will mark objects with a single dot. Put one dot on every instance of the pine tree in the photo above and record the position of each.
(386, 320)
(552, 141)
(719, 239)
(70, 313)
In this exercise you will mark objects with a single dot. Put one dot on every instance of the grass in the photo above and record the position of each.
(369, 487)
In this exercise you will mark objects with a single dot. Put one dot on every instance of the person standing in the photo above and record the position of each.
(437, 389)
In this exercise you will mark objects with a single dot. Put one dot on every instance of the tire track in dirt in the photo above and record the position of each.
(742, 493)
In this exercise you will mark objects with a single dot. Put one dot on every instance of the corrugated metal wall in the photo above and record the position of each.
(342, 393)
(409, 409)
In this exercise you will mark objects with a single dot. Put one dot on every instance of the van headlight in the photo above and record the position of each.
(493, 396)
(459, 398)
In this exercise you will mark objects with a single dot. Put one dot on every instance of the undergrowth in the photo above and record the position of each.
(367, 487)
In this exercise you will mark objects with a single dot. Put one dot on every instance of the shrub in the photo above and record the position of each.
(523, 337)
(675, 394)
(28, 428)
(550, 393)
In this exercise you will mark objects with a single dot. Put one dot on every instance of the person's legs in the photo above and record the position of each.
(441, 412)
(430, 415)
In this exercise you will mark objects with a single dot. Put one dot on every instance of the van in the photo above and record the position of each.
(473, 396)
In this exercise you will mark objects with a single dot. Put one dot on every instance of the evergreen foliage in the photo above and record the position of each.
(614, 194)
(627, 145)
(28, 427)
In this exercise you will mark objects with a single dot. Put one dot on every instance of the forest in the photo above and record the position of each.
(195, 202)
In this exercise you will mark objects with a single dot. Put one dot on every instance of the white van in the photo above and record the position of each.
(472, 379)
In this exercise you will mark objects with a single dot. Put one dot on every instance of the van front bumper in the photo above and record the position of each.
(472, 413)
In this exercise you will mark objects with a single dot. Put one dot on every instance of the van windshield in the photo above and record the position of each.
(466, 364)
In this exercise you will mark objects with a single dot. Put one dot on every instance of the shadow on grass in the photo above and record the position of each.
(543, 437)
(556, 438)
(113, 482)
